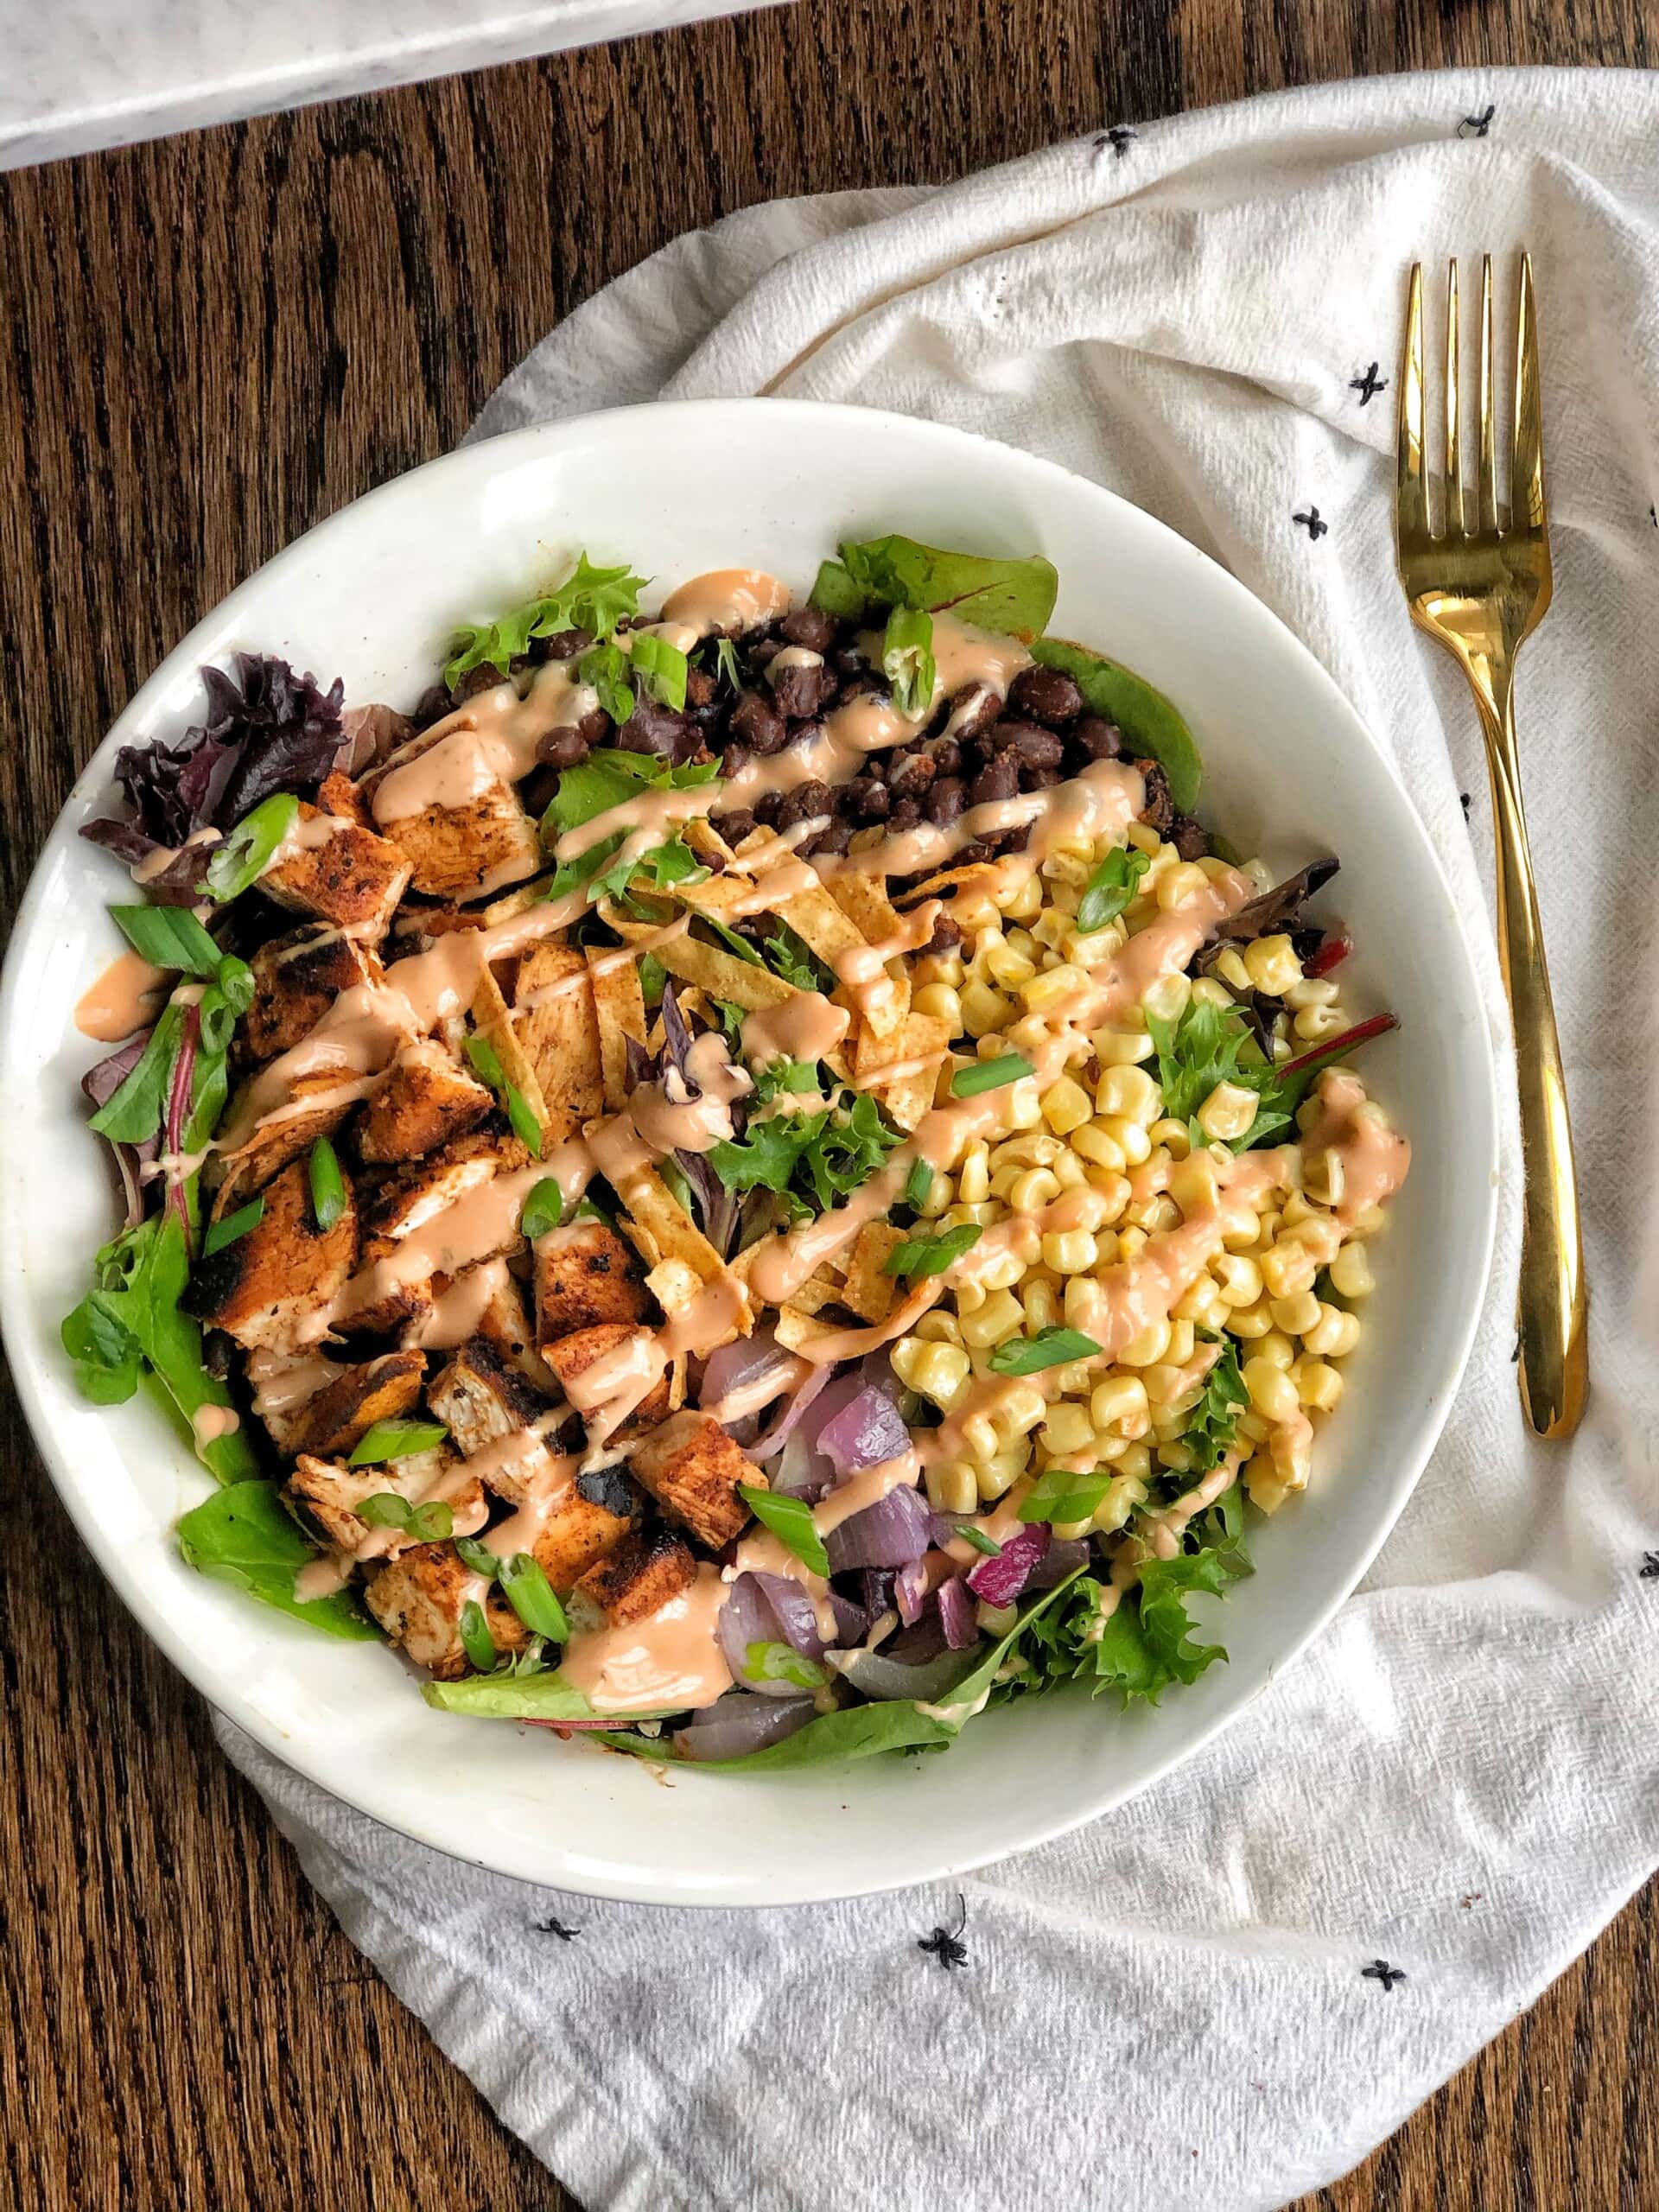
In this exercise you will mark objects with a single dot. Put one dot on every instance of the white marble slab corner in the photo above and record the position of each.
(77, 75)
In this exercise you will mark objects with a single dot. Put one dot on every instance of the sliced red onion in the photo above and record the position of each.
(875, 1372)
(774, 1439)
(999, 1580)
(1064, 1556)
(804, 1471)
(893, 1531)
(748, 1617)
(797, 1617)
(736, 1725)
(877, 1584)
(852, 1622)
(792, 1475)
(957, 1615)
(867, 1432)
(746, 1360)
(882, 1678)
(910, 1591)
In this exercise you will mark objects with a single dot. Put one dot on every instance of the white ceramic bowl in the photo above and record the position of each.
(371, 596)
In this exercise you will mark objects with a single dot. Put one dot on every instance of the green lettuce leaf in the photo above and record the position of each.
(1014, 597)
(242, 1535)
(589, 599)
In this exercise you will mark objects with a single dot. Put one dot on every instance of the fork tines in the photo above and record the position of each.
(1433, 506)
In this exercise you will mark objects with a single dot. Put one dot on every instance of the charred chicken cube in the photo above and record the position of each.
(418, 1599)
(692, 1468)
(427, 1100)
(585, 1275)
(317, 1106)
(641, 1576)
(332, 1493)
(282, 1273)
(585, 1523)
(420, 1195)
(296, 979)
(339, 872)
(463, 852)
(480, 1399)
(348, 1405)
(572, 1355)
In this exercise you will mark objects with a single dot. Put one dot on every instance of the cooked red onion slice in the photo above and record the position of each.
(879, 1677)
(999, 1580)
(765, 1609)
(958, 1614)
(736, 1725)
(734, 1366)
(893, 1531)
(774, 1439)
(910, 1590)
(866, 1432)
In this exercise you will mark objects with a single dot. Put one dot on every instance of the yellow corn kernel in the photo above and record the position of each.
(1242, 1236)
(1023, 901)
(1334, 1335)
(997, 1475)
(1120, 1048)
(1203, 1305)
(1192, 1181)
(1265, 1487)
(951, 1487)
(1119, 1405)
(1129, 1093)
(1122, 1494)
(984, 1011)
(1249, 1321)
(1000, 1317)
(1031, 1189)
(1025, 943)
(1177, 884)
(1065, 1106)
(1315, 1021)
(1042, 993)
(1030, 1148)
(974, 1177)
(1238, 1278)
(1072, 1381)
(979, 1441)
(1252, 1428)
(1167, 998)
(959, 1217)
(1070, 1172)
(1096, 1144)
(1206, 991)
(1297, 1209)
(942, 1373)
(1069, 1252)
(942, 1193)
(1148, 1348)
(1295, 1315)
(942, 1003)
(1169, 1422)
(1131, 1242)
(1231, 969)
(1113, 1188)
(1134, 1461)
(1155, 1214)
(1130, 1137)
(1228, 1112)
(1006, 964)
(1326, 1177)
(1267, 1226)
(1109, 1250)
(1142, 837)
(938, 1328)
(1165, 1383)
(1275, 1347)
(1272, 1392)
(1182, 1342)
(1017, 1412)
(1172, 1136)
(1272, 965)
(1317, 991)
(1288, 1265)
(1066, 1431)
(1002, 1272)
(1351, 1273)
(1318, 1385)
(945, 968)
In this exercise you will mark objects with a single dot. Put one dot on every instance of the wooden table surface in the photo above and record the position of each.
(209, 343)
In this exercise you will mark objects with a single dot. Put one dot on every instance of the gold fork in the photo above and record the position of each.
(1480, 585)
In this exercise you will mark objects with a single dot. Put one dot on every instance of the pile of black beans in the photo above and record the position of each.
(1041, 735)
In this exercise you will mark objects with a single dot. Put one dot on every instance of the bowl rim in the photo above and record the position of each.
(33, 1376)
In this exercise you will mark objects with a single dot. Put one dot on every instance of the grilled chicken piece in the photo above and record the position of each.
(692, 1469)
(463, 852)
(416, 1197)
(427, 1100)
(641, 1576)
(346, 1408)
(348, 876)
(586, 1523)
(417, 1600)
(317, 1106)
(296, 979)
(585, 1275)
(331, 1493)
(573, 1355)
(480, 1399)
(265, 1285)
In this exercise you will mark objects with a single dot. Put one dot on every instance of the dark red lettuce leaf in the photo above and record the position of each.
(1278, 909)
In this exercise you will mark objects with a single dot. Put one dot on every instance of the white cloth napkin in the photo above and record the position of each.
(1169, 2010)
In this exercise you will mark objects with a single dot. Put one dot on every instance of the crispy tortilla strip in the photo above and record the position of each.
(620, 1010)
(864, 900)
(866, 1292)
(818, 1291)
(920, 1047)
(795, 1330)
(663, 1232)
(492, 1019)
(729, 897)
(818, 922)
(560, 1038)
(723, 975)
(979, 875)
(674, 1282)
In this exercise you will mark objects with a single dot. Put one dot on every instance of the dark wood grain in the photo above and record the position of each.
(209, 344)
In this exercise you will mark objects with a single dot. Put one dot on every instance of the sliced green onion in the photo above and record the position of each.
(169, 937)
(907, 659)
(245, 854)
(328, 1185)
(919, 1184)
(428, 1524)
(479, 1556)
(789, 1520)
(1059, 1496)
(486, 1063)
(529, 1593)
(475, 1638)
(979, 1540)
(990, 1075)
(234, 1225)
(1048, 1348)
(781, 1663)
(931, 1255)
(544, 1209)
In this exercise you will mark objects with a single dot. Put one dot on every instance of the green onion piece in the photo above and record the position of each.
(990, 1075)
(245, 854)
(544, 1209)
(486, 1063)
(979, 1540)
(727, 670)
(660, 667)
(781, 1663)
(1110, 888)
(328, 1185)
(479, 1557)
(475, 1638)
(1058, 1495)
(169, 937)
(235, 981)
(653, 978)
(789, 1520)
(907, 659)
(397, 1439)
(931, 1255)
(529, 1593)
(428, 1524)
(1048, 1348)
(221, 1233)
(918, 1186)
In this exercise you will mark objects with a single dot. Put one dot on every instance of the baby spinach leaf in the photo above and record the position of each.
(242, 1535)
(1015, 597)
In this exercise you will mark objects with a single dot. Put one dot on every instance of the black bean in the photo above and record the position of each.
(835, 839)
(865, 684)
(810, 626)
(800, 688)
(653, 728)
(762, 651)
(946, 935)
(998, 781)
(735, 760)
(979, 707)
(1158, 812)
(758, 724)
(431, 706)
(911, 776)
(699, 688)
(1099, 740)
(1047, 696)
(1040, 780)
(946, 800)
(946, 755)
(563, 644)
(476, 680)
(1037, 749)
(1190, 838)
(767, 808)
(906, 814)
(982, 849)
(805, 801)
(563, 749)
(868, 799)
(736, 826)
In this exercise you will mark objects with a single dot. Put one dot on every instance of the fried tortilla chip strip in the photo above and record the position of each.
(619, 1008)
(494, 1021)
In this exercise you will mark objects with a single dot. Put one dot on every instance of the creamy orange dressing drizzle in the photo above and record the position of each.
(805, 1027)
(726, 600)
(693, 1112)
(765, 1553)
(126, 997)
(460, 1307)
(867, 1487)
(760, 1390)
(670, 1663)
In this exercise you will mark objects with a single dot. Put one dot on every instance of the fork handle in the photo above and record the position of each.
(1550, 1300)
